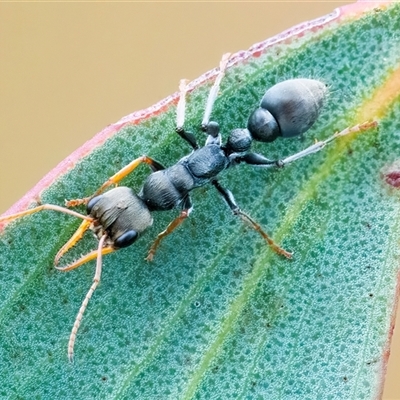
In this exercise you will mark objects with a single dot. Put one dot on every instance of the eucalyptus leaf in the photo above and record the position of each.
(217, 314)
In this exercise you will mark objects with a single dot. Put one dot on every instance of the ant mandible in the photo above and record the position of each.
(118, 216)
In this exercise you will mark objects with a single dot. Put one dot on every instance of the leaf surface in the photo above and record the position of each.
(218, 315)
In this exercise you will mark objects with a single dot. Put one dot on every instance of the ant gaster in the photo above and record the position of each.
(119, 216)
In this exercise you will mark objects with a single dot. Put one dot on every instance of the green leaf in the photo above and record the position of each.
(218, 315)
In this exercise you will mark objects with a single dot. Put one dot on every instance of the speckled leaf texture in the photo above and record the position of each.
(217, 314)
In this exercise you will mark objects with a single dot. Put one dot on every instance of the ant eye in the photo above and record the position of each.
(92, 202)
(126, 239)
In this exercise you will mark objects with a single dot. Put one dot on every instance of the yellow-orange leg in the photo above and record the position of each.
(83, 227)
(249, 221)
(116, 178)
(45, 207)
(170, 228)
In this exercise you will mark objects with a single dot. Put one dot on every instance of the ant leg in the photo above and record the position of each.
(180, 116)
(230, 200)
(170, 228)
(259, 160)
(114, 180)
(214, 91)
(99, 252)
(320, 145)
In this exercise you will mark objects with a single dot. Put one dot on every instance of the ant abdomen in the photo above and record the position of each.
(287, 109)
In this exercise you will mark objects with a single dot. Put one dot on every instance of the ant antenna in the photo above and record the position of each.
(45, 207)
(79, 317)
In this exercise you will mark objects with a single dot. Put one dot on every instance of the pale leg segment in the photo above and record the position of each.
(320, 145)
(180, 116)
(215, 88)
(180, 109)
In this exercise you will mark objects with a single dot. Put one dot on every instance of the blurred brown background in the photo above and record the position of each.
(69, 69)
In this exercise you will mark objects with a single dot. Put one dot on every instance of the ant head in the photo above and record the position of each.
(120, 213)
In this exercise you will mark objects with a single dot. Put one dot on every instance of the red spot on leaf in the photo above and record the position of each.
(393, 179)
(391, 174)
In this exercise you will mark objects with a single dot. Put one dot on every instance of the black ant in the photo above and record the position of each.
(119, 216)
